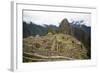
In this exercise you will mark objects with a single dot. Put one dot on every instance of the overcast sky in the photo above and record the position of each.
(42, 17)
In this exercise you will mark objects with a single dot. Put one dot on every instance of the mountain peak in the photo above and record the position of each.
(65, 26)
(65, 20)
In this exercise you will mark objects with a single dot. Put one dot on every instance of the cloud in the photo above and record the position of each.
(42, 17)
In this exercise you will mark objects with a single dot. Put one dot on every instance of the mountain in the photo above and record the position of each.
(32, 29)
(64, 27)
(80, 32)
(52, 28)
(83, 34)
(26, 30)
(57, 47)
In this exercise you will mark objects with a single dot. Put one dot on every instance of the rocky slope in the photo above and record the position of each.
(58, 46)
